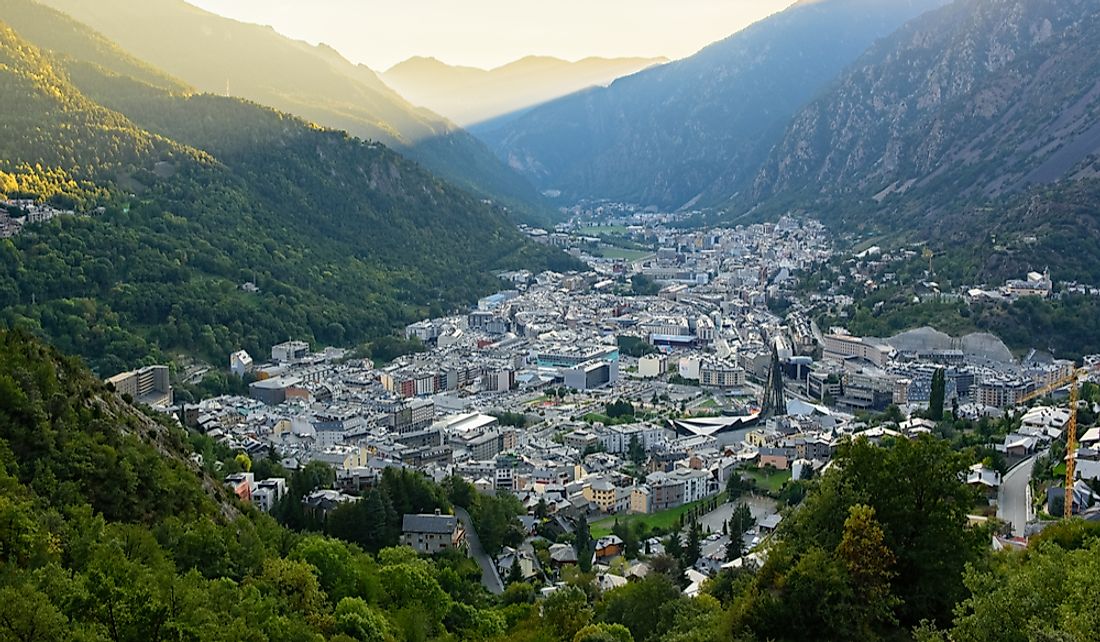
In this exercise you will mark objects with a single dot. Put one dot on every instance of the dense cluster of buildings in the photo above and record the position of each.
(547, 351)
(516, 394)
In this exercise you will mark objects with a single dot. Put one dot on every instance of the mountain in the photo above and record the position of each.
(180, 198)
(218, 55)
(117, 526)
(695, 130)
(981, 99)
(468, 95)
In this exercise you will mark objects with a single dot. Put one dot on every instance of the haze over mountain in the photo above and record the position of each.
(345, 239)
(468, 95)
(216, 54)
(695, 130)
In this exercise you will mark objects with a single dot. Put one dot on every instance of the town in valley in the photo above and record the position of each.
(681, 384)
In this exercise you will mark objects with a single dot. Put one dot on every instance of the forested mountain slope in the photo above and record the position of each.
(345, 239)
(111, 531)
(216, 55)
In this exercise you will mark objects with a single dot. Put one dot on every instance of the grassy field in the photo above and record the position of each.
(603, 229)
(623, 253)
(665, 520)
(770, 483)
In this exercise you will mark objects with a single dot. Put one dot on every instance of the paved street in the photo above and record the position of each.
(490, 579)
(1014, 498)
(759, 505)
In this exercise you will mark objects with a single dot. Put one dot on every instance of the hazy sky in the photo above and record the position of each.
(486, 33)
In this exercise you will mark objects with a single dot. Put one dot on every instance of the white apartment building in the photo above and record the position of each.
(652, 365)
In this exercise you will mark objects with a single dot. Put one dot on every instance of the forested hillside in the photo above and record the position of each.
(111, 533)
(216, 55)
(201, 194)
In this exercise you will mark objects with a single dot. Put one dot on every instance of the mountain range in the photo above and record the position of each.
(975, 128)
(912, 121)
(980, 99)
(180, 197)
(222, 56)
(468, 95)
(694, 131)
(971, 125)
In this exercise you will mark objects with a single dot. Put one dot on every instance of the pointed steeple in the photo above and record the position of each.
(775, 402)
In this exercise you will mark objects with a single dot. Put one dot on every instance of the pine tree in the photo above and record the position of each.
(735, 548)
(870, 565)
(741, 520)
(376, 513)
(734, 487)
(583, 544)
(515, 574)
(694, 548)
(936, 398)
(636, 451)
(674, 547)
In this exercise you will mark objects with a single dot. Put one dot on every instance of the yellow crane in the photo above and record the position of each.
(1073, 381)
(929, 254)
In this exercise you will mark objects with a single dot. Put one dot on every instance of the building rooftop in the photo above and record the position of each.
(429, 523)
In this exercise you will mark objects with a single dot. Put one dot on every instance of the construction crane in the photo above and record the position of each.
(929, 254)
(1073, 381)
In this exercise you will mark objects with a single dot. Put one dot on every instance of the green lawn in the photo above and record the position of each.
(770, 483)
(665, 520)
(623, 253)
(602, 229)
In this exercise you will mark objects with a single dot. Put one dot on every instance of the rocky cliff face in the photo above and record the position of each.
(976, 100)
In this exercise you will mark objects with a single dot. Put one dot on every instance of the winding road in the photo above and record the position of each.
(490, 578)
(1014, 497)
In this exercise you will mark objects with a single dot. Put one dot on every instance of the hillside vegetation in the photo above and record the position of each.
(345, 239)
(219, 55)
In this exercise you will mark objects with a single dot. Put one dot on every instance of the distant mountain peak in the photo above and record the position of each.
(417, 62)
(694, 130)
(469, 95)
